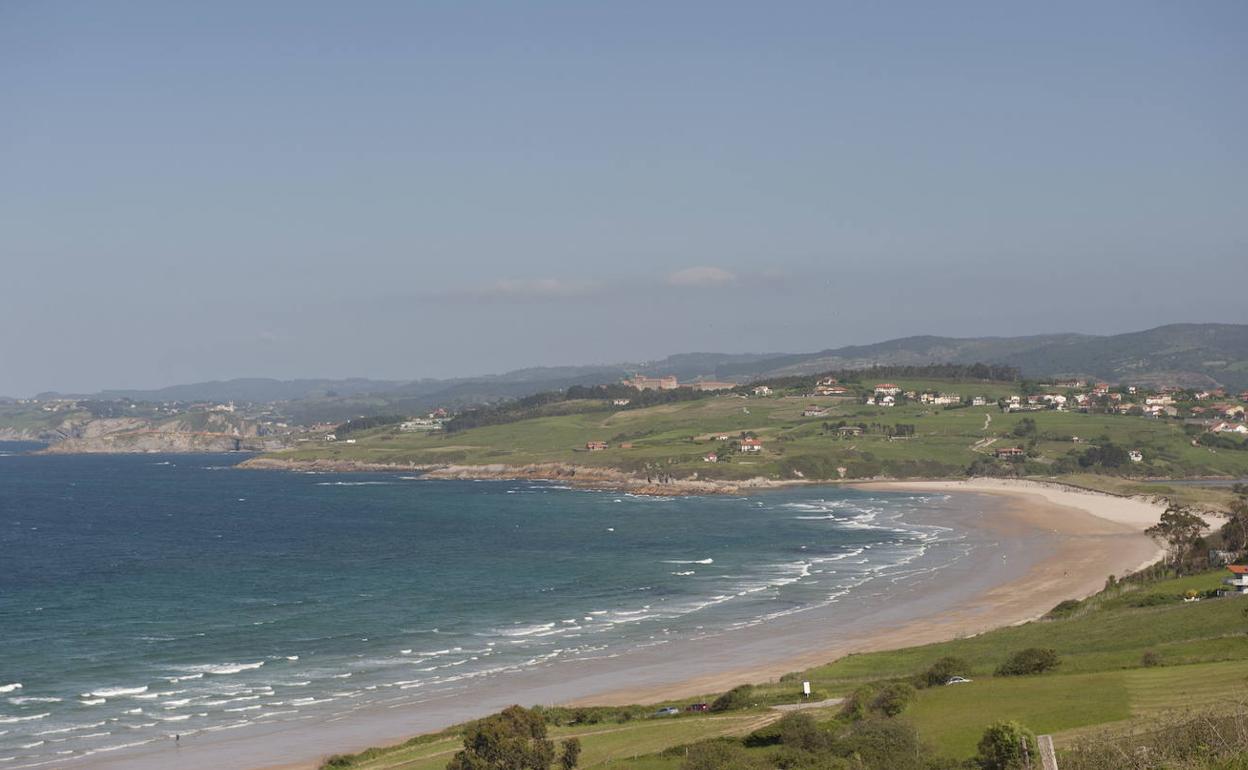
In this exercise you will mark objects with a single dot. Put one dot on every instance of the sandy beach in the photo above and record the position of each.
(1096, 535)
(1035, 545)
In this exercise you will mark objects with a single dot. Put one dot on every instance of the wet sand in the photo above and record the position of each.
(1029, 547)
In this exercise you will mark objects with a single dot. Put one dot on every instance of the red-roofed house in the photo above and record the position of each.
(887, 389)
(751, 445)
(1238, 580)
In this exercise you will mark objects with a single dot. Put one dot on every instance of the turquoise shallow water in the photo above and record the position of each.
(147, 595)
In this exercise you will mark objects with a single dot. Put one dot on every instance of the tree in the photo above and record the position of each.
(885, 743)
(1007, 746)
(1033, 660)
(1235, 530)
(738, 697)
(1025, 427)
(892, 699)
(719, 754)
(514, 739)
(1181, 529)
(571, 753)
(941, 671)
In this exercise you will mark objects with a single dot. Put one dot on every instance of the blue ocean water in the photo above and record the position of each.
(143, 595)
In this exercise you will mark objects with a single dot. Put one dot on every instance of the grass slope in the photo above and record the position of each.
(675, 437)
(1102, 682)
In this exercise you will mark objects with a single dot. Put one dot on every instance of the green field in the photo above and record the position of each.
(675, 437)
(1199, 662)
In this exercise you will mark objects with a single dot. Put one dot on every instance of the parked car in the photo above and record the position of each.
(667, 712)
(698, 707)
(957, 680)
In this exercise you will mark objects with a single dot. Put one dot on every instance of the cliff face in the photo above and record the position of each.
(164, 441)
(199, 433)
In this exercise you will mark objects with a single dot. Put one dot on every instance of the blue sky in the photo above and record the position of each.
(401, 190)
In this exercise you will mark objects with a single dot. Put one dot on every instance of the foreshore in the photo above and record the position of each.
(1095, 535)
(1034, 545)
(1061, 543)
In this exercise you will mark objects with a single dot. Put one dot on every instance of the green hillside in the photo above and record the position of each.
(910, 440)
(1132, 659)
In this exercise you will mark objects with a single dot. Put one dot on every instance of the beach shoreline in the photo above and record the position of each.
(1061, 543)
(1101, 534)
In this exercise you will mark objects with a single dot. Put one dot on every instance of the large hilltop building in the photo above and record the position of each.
(652, 383)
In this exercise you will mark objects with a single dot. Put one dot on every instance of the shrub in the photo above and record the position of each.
(1033, 660)
(1007, 746)
(940, 671)
(739, 697)
(1153, 600)
(1150, 658)
(719, 755)
(513, 738)
(893, 699)
(571, 753)
(767, 735)
(799, 731)
(1210, 741)
(1064, 609)
(857, 703)
(885, 744)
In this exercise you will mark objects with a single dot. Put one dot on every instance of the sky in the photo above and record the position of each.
(198, 191)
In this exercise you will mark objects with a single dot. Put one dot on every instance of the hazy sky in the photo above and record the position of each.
(194, 191)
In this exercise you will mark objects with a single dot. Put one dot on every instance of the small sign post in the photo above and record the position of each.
(806, 689)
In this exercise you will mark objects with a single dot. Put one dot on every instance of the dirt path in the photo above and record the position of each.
(819, 704)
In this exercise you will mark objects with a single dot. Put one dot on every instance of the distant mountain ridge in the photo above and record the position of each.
(1195, 355)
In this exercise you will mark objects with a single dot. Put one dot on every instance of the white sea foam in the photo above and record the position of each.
(187, 678)
(685, 572)
(10, 687)
(28, 718)
(688, 561)
(223, 668)
(353, 483)
(92, 701)
(71, 728)
(116, 692)
(23, 700)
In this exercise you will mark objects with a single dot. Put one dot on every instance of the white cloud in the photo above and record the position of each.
(701, 276)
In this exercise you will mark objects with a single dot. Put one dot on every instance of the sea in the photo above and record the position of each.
(148, 596)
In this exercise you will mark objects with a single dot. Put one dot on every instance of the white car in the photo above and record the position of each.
(957, 680)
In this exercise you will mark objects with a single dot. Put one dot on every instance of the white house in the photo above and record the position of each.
(887, 401)
(1136, 456)
(1226, 427)
(762, 390)
(751, 445)
(887, 389)
(814, 411)
(1238, 581)
(979, 401)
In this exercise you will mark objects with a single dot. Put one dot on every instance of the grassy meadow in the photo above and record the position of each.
(1105, 685)
(674, 438)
